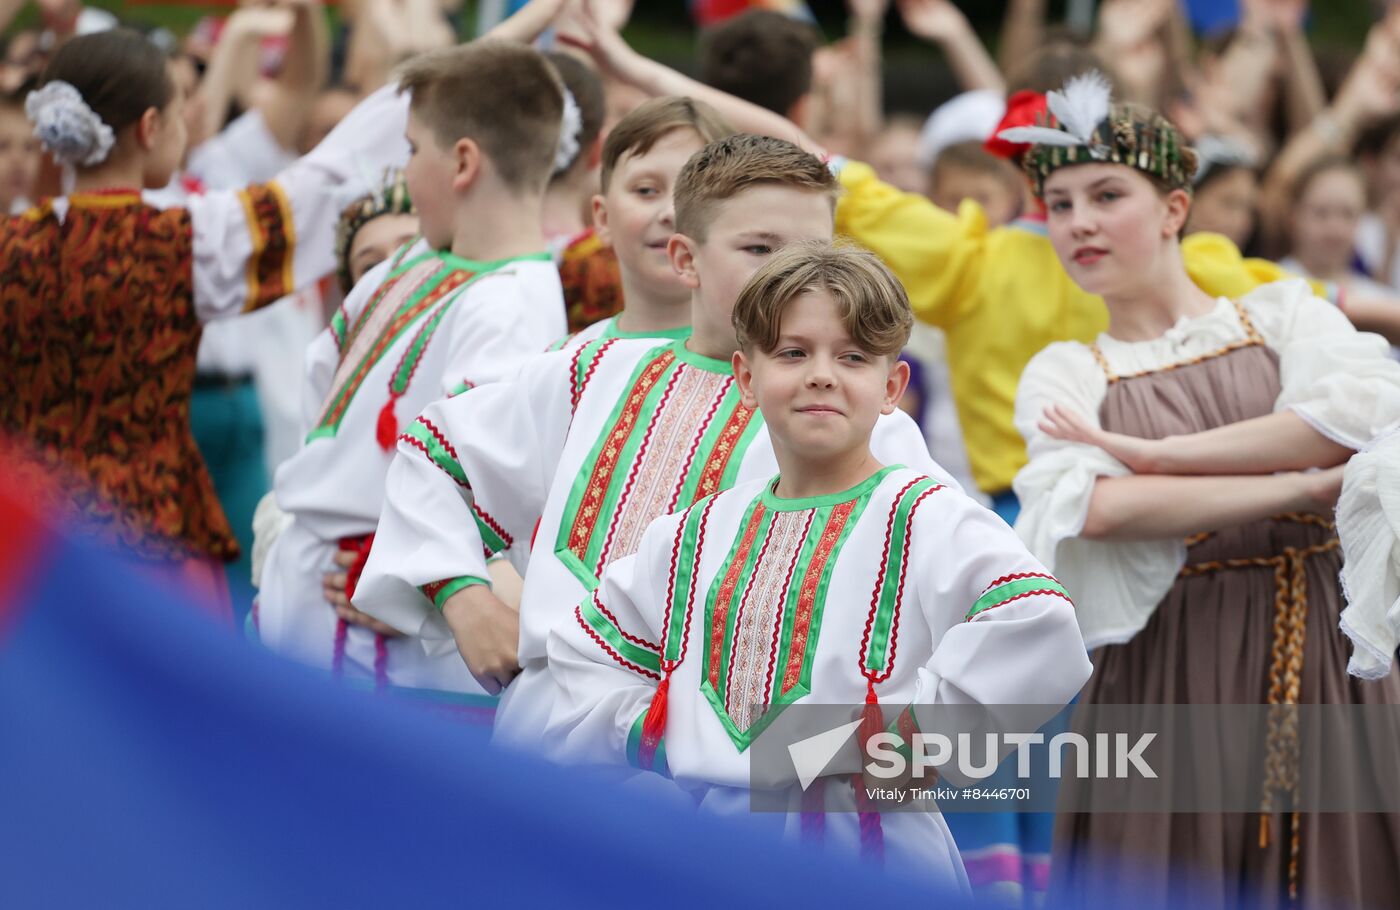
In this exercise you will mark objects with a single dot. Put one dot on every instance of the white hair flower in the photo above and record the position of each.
(66, 126)
(569, 129)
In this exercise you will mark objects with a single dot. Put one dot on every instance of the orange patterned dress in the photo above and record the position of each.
(100, 324)
(592, 282)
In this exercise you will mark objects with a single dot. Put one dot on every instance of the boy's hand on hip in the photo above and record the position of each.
(487, 633)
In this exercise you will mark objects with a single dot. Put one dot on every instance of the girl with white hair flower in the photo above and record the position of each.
(105, 296)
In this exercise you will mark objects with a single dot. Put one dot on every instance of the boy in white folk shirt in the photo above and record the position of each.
(843, 580)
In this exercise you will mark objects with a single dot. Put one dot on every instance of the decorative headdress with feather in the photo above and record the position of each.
(390, 197)
(1084, 126)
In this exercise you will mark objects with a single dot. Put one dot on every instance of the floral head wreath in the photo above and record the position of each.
(71, 131)
(1084, 126)
(390, 199)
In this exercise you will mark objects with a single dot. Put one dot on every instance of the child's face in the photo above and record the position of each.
(1325, 221)
(636, 216)
(894, 155)
(1227, 206)
(819, 392)
(745, 231)
(999, 198)
(430, 175)
(377, 240)
(19, 158)
(1109, 225)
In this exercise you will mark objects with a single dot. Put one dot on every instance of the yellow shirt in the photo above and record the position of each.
(1000, 295)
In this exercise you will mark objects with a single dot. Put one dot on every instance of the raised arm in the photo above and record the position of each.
(1303, 89)
(936, 255)
(1369, 92)
(234, 58)
(256, 245)
(1022, 32)
(942, 23)
(616, 59)
(287, 101)
(528, 22)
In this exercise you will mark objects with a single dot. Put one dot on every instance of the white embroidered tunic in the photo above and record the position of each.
(411, 330)
(565, 466)
(747, 603)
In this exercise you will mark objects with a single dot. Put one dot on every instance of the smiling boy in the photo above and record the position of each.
(635, 216)
(843, 580)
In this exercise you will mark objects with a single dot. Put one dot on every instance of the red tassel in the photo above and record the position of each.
(654, 726)
(387, 429)
(871, 721)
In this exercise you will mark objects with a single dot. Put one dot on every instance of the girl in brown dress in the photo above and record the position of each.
(1171, 487)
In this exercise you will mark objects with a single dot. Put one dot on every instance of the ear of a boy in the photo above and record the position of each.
(895, 385)
(467, 155)
(743, 376)
(680, 249)
(600, 220)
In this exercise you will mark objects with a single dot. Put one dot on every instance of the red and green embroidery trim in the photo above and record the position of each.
(599, 489)
(1015, 587)
(739, 424)
(585, 362)
(608, 455)
(424, 435)
(337, 327)
(721, 606)
(434, 288)
(830, 522)
(880, 641)
(629, 651)
(808, 601)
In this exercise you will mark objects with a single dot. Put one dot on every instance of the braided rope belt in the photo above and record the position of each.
(1281, 774)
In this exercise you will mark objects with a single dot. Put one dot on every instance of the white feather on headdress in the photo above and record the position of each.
(1080, 107)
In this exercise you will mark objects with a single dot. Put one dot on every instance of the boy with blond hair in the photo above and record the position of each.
(599, 441)
(795, 588)
(469, 303)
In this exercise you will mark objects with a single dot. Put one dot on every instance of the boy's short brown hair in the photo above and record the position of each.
(651, 122)
(505, 96)
(873, 304)
(761, 56)
(725, 168)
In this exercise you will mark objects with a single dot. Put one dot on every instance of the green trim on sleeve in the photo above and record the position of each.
(439, 591)
(1011, 590)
